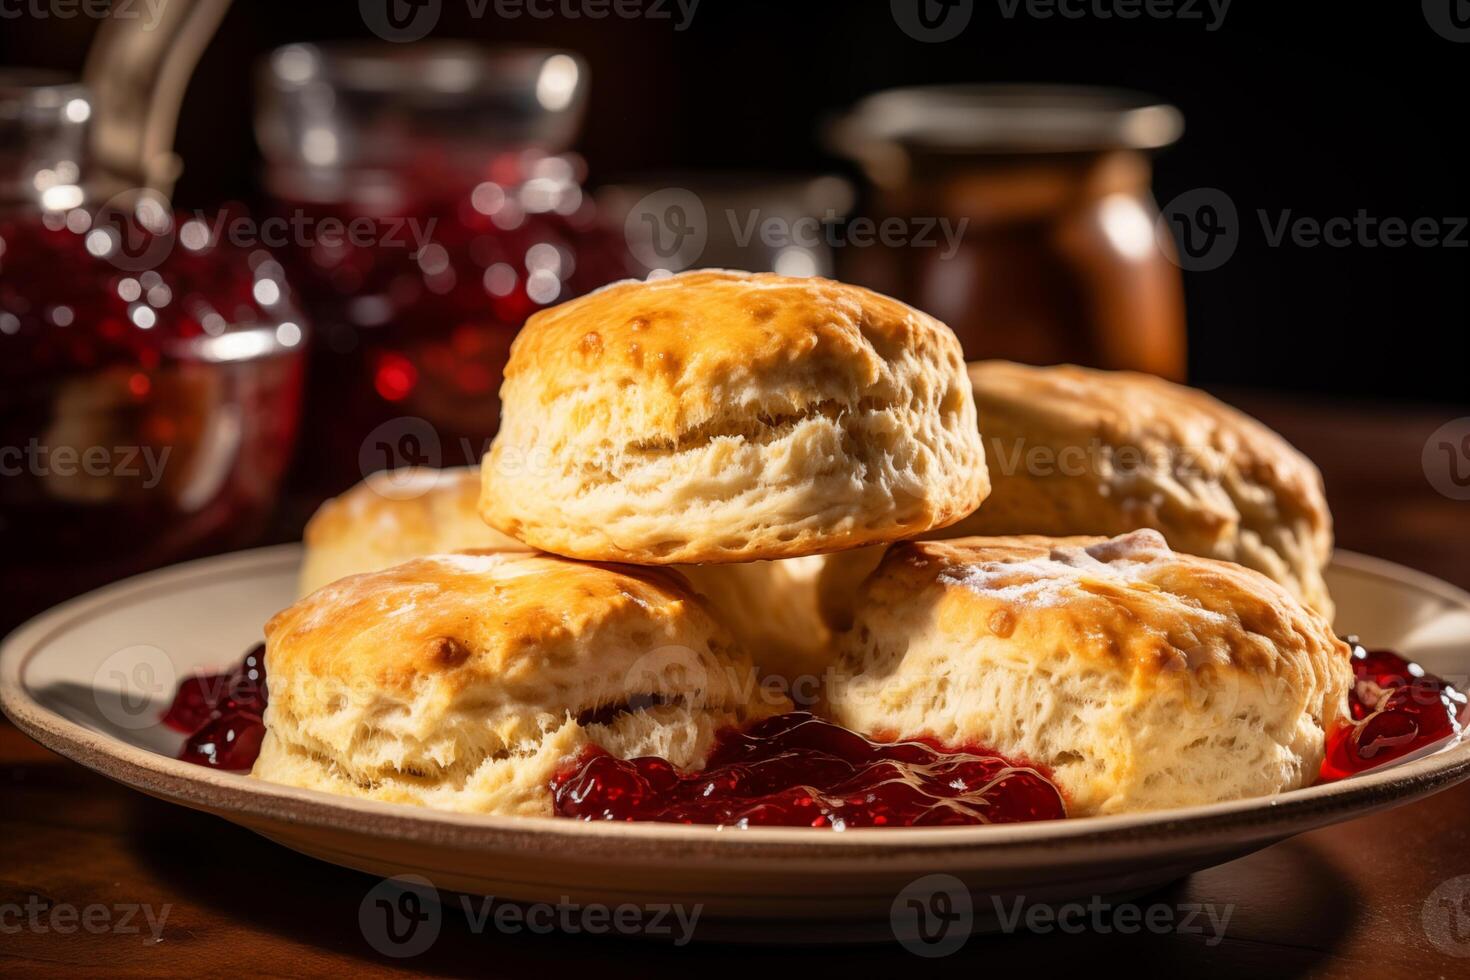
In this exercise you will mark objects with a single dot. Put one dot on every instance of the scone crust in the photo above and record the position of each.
(391, 517)
(1216, 482)
(458, 680)
(723, 416)
(1140, 676)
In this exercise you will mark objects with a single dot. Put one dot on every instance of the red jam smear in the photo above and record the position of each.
(1397, 707)
(795, 770)
(221, 714)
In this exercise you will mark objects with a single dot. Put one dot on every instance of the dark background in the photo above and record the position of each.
(1319, 107)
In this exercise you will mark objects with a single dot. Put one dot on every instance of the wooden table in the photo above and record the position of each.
(1345, 901)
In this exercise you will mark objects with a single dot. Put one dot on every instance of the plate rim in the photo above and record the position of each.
(243, 798)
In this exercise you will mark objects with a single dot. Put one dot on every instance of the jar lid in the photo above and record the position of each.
(1007, 119)
(381, 104)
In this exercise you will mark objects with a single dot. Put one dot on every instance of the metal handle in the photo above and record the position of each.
(137, 77)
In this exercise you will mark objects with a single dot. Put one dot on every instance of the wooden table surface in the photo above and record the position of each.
(1348, 901)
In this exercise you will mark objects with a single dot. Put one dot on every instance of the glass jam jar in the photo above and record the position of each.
(1048, 250)
(428, 206)
(150, 376)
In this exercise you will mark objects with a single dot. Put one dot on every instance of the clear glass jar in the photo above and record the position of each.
(451, 164)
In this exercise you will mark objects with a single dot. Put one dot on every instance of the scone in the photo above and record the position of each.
(1078, 451)
(393, 516)
(728, 417)
(463, 682)
(1139, 677)
(773, 609)
(770, 606)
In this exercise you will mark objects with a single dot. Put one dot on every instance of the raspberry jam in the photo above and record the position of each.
(221, 714)
(1396, 707)
(795, 770)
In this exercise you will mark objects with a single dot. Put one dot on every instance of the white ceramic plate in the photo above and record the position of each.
(90, 678)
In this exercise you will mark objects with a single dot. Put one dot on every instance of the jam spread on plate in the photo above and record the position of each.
(1396, 707)
(221, 714)
(795, 770)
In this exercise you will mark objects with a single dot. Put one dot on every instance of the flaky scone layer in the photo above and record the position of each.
(729, 417)
(1078, 451)
(516, 782)
(461, 681)
(1142, 678)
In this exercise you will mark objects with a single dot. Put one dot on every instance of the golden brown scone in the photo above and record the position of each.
(1077, 451)
(1142, 678)
(463, 681)
(729, 417)
(391, 517)
(770, 606)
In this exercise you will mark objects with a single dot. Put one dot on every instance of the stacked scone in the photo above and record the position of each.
(693, 512)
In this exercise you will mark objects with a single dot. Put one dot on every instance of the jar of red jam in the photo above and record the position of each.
(426, 204)
(150, 374)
